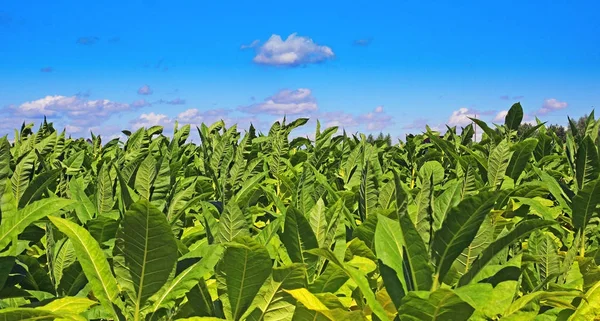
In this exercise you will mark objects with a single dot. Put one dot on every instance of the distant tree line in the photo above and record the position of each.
(560, 131)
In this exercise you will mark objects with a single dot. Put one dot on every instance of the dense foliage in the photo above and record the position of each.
(263, 227)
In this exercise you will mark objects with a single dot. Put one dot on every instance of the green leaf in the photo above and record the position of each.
(585, 204)
(521, 230)
(359, 278)
(21, 175)
(418, 267)
(94, 263)
(589, 308)
(244, 268)
(272, 302)
(38, 186)
(13, 225)
(104, 190)
(587, 166)
(389, 245)
(68, 305)
(297, 237)
(498, 163)
(368, 194)
(147, 253)
(442, 304)
(144, 178)
(27, 314)
(522, 152)
(84, 208)
(514, 117)
(4, 163)
(459, 229)
(313, 309)
(186, 280)
(231, 224)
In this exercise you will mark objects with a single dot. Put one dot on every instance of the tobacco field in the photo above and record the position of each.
(268, 226)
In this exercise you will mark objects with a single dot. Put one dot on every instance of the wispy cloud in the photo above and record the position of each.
(363, 42)
(87, 41)
(145, 90)
(47, 69)
(176, 101)
(285, 102)
(552, 104)
(291, 52)
(253, 44)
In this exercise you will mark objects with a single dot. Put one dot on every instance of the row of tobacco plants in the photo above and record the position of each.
(254, 226)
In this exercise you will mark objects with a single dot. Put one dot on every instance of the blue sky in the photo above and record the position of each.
(367, 66)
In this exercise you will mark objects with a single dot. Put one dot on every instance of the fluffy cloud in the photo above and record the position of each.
(291, 52)
(151, 119)
(145, 90)
(285, 102)
(373, 121)
(87, 41)
(501, 115)
(461, 117)
(78, 112)
(552, 104)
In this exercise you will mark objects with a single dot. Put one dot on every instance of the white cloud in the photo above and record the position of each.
(378, 109)
(501, 115)
(253, 44)
(551, 105)
(293, 51)
(461, 117)
(76, 113)
(285, 102)
(145, 90)
(151, 119)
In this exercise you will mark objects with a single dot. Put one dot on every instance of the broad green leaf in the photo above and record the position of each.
(514, 117)
(4, 163)
(244, 268)
(585, 204)
(442, 304)
(522, 152)
(84, 208)
(272, 303)
(589, 308)
(147, 253)
(22, 173)
(519, 231)
(232, 224)
(104, 190)
(418, 267)
(93, 261)
(38, 186)
(498, 163)
(587, 166)
(144, 178)
(297, 237)
(73, 305)
(459, 229)
(186, 280)
(13, 225)
(317, 309)
(389, 245)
